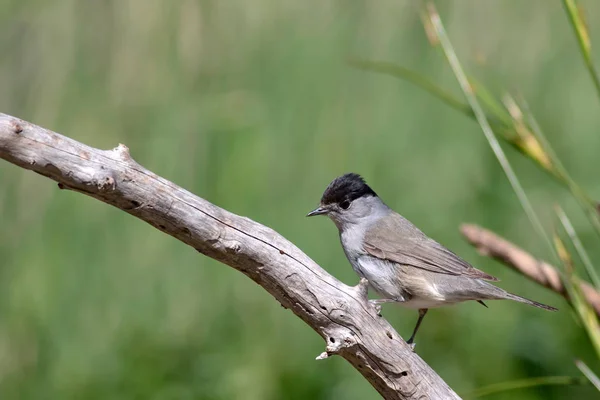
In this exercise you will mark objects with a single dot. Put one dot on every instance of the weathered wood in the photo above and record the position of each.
(339, 313)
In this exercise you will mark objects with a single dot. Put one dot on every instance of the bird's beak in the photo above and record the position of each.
(317, 211)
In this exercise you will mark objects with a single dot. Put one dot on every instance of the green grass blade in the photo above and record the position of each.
(526, 383)
(560, 172)
(583, 38)
(584, 311)
(488, 99)
(501, 124)
(585, 370)
(568, 227)
(522, 133)
(526, 141)
(456, 67)
(539, 134)
(499, 120)
(414, 77)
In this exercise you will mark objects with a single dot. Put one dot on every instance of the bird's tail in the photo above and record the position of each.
(520, 299)
(482, 290)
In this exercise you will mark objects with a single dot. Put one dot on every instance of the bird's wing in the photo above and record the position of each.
(399, 241)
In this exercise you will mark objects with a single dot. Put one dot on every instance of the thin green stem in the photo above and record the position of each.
(568, 226)
(414, 77)
(501, 123)
(485, 126)
(560, 172)
(420, 80)
(491, 103)
(588, 373)
(586, 314)
(583, 38)
(526, 383)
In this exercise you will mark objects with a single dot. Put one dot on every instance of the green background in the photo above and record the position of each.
(251, 105)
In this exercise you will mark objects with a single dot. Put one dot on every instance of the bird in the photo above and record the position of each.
(400, 262)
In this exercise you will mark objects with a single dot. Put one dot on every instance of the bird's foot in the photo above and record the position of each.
(376, 305)
(378, 302)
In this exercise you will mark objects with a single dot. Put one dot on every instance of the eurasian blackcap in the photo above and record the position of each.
(400, 262)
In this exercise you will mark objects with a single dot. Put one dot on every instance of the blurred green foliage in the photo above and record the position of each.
(251, 105)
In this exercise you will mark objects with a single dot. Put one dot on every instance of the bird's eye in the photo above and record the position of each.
(345, 204)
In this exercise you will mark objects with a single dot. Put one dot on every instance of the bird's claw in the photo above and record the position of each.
(376, 305)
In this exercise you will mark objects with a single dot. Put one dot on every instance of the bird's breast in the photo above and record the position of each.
(352, 243)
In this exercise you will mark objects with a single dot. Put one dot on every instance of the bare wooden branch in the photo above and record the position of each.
(492, 245)
(339, 313)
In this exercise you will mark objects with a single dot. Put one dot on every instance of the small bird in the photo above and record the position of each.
(401, 263)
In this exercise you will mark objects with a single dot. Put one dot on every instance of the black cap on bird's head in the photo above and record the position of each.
(346, 187)
(342, 191)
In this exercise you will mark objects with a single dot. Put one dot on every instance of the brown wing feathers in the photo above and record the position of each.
(412, 247)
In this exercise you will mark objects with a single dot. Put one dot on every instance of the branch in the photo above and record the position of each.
(339, 313)
(492, 245)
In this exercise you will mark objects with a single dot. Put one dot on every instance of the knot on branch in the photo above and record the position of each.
(228, 245)
(338, 342)
(105, 184)
(122, 152)
(99, 184)
(17, 126)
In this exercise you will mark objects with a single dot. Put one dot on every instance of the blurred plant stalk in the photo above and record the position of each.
(433, 22)
(577, 19)
(582, 307)
(512, 123)
(515, 124)
(583, 297)
(526, 383)
(585, 370)
(494, 246)
(513, 129)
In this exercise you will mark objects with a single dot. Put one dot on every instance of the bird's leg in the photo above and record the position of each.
(422, 312)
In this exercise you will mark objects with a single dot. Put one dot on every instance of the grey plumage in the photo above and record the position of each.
(401, 263)
(396, 239)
